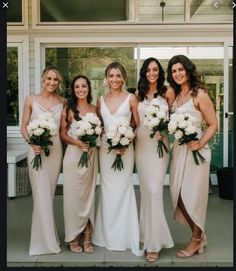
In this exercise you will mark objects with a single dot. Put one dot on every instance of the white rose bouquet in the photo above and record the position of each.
(88, 130)
(156, 119)
(119, 135)
(181, 125)
(40, 131)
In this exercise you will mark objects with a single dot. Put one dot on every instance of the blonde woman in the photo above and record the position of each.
(44, 239)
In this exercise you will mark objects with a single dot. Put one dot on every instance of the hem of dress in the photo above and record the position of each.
(43, 253)
(134, 251)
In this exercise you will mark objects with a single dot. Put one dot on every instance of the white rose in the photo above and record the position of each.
(85, 126)
(190, 130)
(172, 126)
(154, 122)
(151, 109)
(129, 134)
(115, 141)
(182, 124)
(46, 116)
(180, 117)
(178, 134)
(161, 115)
(79, 132)
(124, 141)
(122, 130)
(38, 131)
(90, 132)
(98, 130)
(110, 134)
(52, 132)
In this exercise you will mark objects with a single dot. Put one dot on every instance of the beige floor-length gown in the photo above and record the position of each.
(154, 230)
(116, 223)
(44, 239)
(79, 189)
(187, 178)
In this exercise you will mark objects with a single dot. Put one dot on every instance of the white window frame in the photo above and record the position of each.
(22, 43)
(133, 20)
(20, 25)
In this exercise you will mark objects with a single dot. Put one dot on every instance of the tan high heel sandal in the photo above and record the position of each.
(89, 247)
(152, 257)
(199, 250)
(75, 247)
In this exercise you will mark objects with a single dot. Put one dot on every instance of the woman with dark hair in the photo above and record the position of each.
(189, 182)
(154, 230)
(79, 182)
(44, 239)
(116, 226)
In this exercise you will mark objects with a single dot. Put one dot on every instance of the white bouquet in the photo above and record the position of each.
(182, 126)
(156, 119)
(119, 135)
(88, 130)
(40, 131)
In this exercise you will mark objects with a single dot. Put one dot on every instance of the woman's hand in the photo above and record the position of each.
(84, 145)
(37, 149)
(159, 135)
(194, 145)
(120, 151)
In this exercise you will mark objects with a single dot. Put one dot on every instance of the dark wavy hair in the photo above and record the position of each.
(72, 102)
(195, 81)
(143, 84)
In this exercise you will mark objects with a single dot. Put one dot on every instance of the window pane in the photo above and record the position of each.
(82, 10)
(12, 87)
(14, 12)
(91, 62)
(231, 109)
(211, 11)
(161, 11)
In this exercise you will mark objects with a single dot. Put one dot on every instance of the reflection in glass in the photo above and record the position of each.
(91, 62)
(82, 10)
(14, 12)
(12, 87)
(231, 110)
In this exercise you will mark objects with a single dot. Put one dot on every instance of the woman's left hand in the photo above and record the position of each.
(194, 145)
(159, 135)
(121, 151)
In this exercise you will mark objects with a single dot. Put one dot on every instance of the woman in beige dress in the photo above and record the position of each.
(44, 239)
(151, 169)
(79, 182)
(189, 182)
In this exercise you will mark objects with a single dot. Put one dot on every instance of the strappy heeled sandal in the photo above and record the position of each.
(75, 247)
(88, 248)
(199, 250)
(152, 257)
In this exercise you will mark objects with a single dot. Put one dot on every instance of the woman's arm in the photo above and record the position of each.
(68, 139)
(170, 96)
(27, 110)
(205, 105)
(134, 109)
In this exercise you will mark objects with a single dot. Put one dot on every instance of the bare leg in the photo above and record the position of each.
(196, 244)
(87, 238)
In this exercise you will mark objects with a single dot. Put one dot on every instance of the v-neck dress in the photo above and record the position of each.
(116, 223)
(187, 179)
(44, 239)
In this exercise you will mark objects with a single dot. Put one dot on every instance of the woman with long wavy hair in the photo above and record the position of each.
(151, 168)
(79, 182)
(189, 182)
